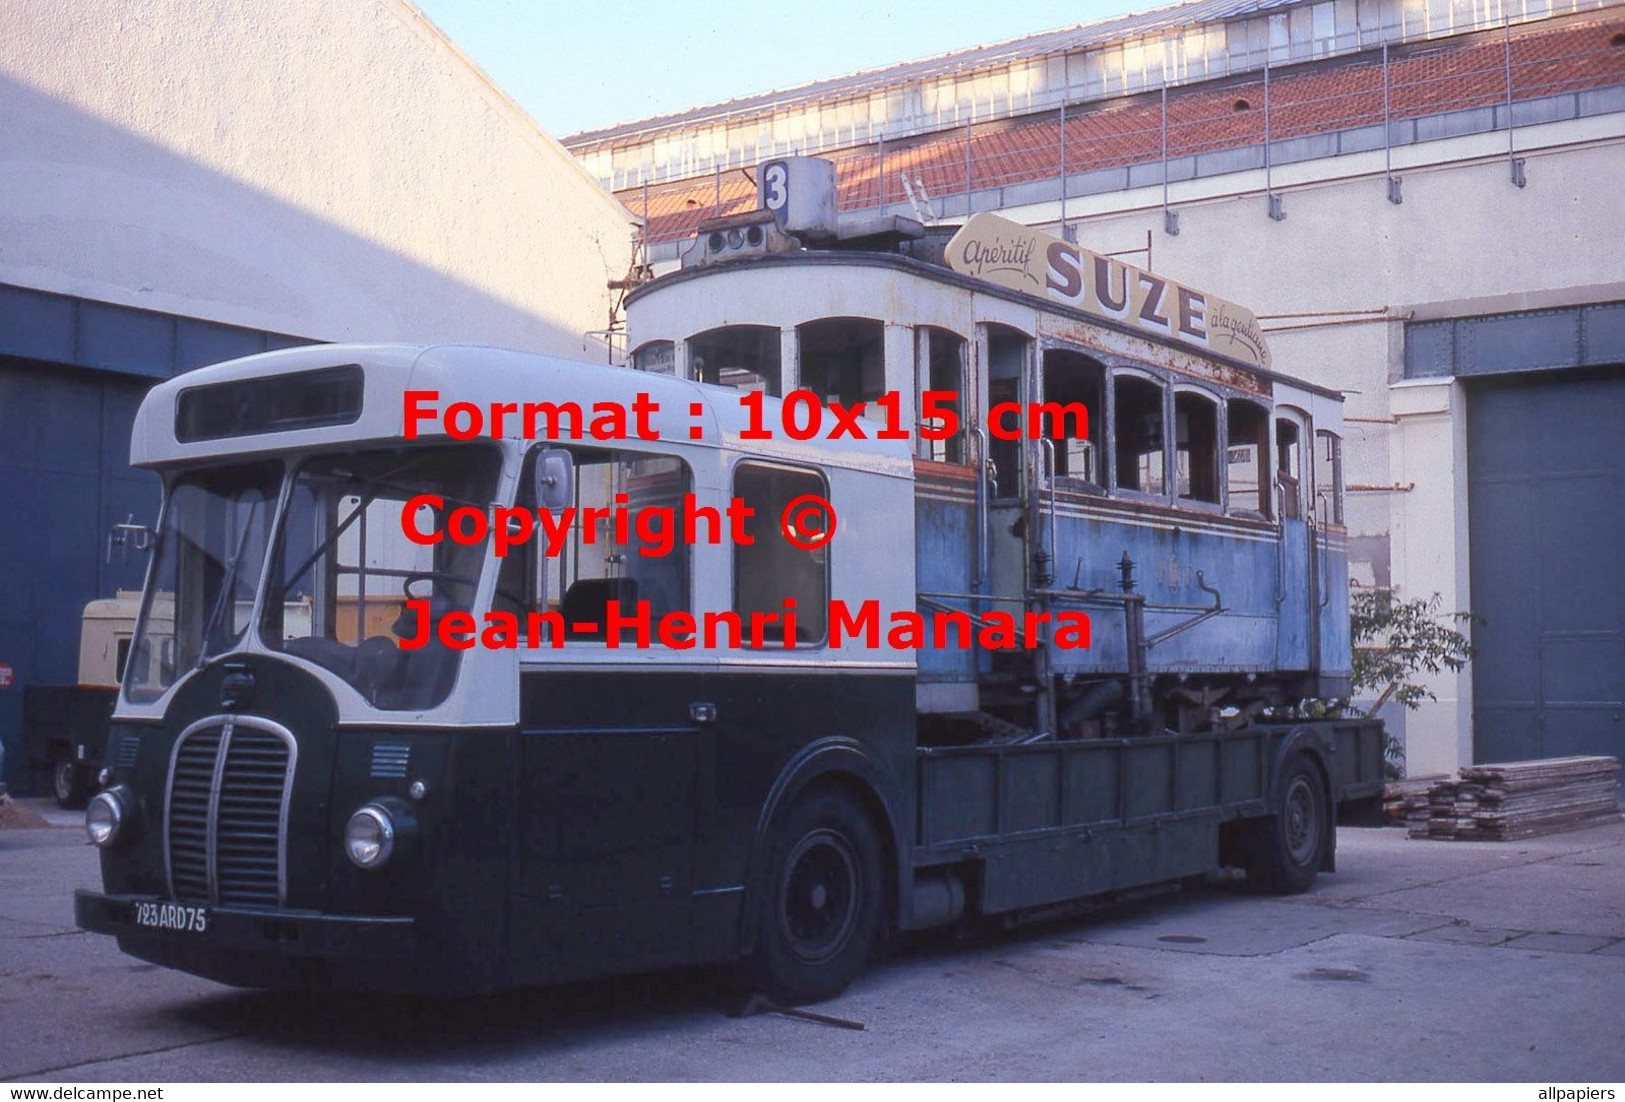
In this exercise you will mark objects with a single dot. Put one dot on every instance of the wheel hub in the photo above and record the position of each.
(1301, 822)
(819, 896)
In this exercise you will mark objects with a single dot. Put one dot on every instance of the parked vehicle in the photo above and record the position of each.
(65, 726)
(359, 749)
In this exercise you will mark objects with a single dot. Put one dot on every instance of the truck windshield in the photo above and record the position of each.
(345, 570)
(211, 550)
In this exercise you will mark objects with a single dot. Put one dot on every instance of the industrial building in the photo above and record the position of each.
(1420, 199)
(184, 184)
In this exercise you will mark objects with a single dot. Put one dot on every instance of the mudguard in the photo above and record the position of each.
(1318, 741)
(828, 757)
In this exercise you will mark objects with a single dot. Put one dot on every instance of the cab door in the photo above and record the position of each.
(607, 818)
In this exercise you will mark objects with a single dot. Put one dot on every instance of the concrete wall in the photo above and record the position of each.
(333, 169)
(1464, 241)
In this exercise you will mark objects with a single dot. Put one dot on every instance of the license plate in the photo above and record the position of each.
(172, 916)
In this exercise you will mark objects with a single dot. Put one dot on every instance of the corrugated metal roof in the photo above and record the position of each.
(1099, 33)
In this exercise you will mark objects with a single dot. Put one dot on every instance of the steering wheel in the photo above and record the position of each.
(434, 576)
(458, 579)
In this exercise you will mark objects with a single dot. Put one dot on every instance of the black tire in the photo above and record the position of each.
(70, 784)
(1290, 846)
(819, 920)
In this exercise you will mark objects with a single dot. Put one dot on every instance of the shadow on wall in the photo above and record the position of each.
(97, 212)
(100, 212)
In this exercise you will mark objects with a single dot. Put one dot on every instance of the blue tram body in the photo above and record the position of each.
(1197, 519)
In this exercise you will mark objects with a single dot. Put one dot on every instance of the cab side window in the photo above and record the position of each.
(768, 568)
(590, 566)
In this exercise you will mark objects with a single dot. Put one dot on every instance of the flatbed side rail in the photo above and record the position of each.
(972, 797)
(1050, 821)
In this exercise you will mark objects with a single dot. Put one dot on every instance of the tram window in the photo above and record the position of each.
(942, 368)
(1139, 435)
(745, 357)
(769, 570)
(1289, 467)
(1329, 476)
(843, 360)
(1007, 382)
(1247, 457)
(1072, 378)
(1196, 447)
(656, 357)
(592, 563)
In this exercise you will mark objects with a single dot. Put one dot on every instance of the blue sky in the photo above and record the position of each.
(577, 66)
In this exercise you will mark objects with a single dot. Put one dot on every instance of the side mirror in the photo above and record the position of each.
(555, 480)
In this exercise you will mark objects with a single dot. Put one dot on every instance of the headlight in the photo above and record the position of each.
(369, 837)
(105, 817)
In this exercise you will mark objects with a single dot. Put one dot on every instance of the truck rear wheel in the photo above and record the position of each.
(818, 924)
(1290, 846)
(70, 784)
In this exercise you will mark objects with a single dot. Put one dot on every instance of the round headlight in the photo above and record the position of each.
(104, 818)
(369, 837)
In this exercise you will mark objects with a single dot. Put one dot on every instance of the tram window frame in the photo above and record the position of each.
(1261, 504)
(822, 345)
(763, 527)
(1007, 346)
(1120, 379)
(1291, 474)
(643, 358)
(941, 362)
(1055, 363)
(1331, 489)
(709, 356)
(1185, 470)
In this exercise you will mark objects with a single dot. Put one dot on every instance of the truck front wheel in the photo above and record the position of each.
(818, 924)
(70, 783)
(1290, 846)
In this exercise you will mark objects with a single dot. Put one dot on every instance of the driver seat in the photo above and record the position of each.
(586, 603)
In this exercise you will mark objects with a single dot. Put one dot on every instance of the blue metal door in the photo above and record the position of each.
(64, 466)
(1547, 522)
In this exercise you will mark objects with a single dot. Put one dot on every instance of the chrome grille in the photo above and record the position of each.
(191, 780)
(227, 813)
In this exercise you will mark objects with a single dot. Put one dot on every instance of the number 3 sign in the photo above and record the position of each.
(775, 187)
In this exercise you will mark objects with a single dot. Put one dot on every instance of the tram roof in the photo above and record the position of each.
(948, 277)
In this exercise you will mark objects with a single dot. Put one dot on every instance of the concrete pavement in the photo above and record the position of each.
(1416, 961)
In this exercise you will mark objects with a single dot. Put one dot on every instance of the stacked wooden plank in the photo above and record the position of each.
(1397, 794)
(1495, 803)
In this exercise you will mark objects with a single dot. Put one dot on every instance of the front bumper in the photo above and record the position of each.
(272, 949)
